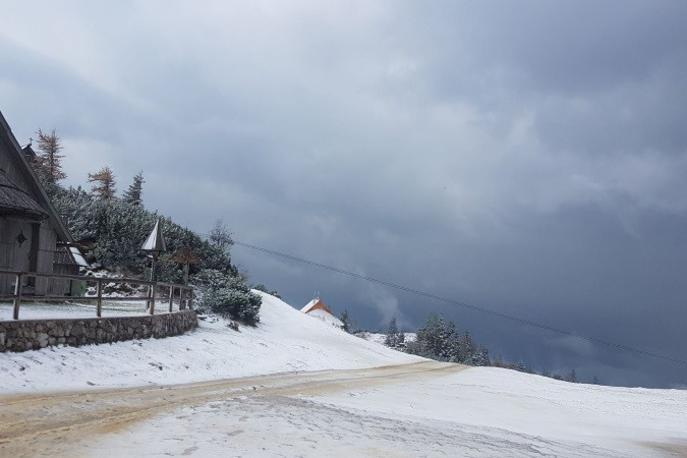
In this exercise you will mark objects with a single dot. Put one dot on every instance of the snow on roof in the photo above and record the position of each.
(78, 257)
(318, 309)
(155, 241)
(316, 304)
(310, 305)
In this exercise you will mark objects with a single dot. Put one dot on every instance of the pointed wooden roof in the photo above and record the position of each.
(316, 304)
(35, 198)
(155, 241)
(16, 201)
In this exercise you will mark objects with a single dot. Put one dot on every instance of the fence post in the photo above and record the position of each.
(189, 301)
(171, 298)
(99, 304)
(152, 299)
(17, 296)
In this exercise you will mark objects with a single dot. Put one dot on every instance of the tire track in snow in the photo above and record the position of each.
(63, 422)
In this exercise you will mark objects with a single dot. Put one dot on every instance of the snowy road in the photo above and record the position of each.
(72, 424)
(417, 409)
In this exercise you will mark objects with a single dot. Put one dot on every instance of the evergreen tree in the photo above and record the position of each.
(48, 163)
(480, 357)
(113, 232)
(346, 320)
(220, 236)
(103, 183)
(439, 339)
(394, 338)
(134, 195)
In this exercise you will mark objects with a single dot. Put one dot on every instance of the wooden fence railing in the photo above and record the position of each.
(184, 292)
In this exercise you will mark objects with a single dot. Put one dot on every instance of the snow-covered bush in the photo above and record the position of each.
(228, 295)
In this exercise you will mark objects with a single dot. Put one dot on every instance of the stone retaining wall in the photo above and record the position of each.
(25, 335)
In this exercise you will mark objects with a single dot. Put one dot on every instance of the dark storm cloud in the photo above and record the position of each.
(527, 157)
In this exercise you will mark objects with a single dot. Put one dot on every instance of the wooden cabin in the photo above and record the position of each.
(316, 308)
(32, 236)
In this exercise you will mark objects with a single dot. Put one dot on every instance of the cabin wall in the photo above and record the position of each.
(13, 255)
(17, 258)
(21, 257)
(47, 245)
(6, 255)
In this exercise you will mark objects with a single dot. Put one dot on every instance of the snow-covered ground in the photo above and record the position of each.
(285, 340)
(325, 316)
(553, 417)
(380, 338)
(421, 409)
(33, 311)
(473, 412)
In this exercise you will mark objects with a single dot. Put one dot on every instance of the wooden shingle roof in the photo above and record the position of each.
(15, 201)
(38, 195)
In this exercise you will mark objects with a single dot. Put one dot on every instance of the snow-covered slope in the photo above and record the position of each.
(325, 316)
(285, 340)
(380, 338)
(524, 414)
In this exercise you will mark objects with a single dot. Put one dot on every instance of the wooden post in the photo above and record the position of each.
(189, 301)
(171, 298)
(152, 299)
(99, 304)
(17, 296)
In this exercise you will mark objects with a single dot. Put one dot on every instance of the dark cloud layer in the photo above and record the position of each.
(526, 157)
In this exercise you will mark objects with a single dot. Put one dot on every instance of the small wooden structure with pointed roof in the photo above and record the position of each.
(154, 245)
(318, 309)
(32, 236)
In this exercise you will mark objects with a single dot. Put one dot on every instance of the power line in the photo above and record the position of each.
(418, 292)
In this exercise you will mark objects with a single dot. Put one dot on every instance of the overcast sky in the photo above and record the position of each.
(528, 157)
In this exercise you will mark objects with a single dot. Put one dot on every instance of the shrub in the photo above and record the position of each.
(228, 295)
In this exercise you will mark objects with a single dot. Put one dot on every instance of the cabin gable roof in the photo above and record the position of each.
(35, 199)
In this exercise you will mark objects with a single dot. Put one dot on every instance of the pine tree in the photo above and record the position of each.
(134, 195)
(48, 163)
(480, 357)
(346, 320)
(394, 338)
(220, 236)
(103, 183)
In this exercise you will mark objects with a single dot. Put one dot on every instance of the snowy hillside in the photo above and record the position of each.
(325, 317)
(500, 409)
(285, 340)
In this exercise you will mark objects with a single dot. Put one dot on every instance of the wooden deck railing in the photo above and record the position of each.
(184, 296)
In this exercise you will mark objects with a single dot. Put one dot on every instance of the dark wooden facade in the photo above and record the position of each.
(32, 237)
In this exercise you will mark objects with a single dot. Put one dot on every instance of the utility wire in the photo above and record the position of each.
(418, 292)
